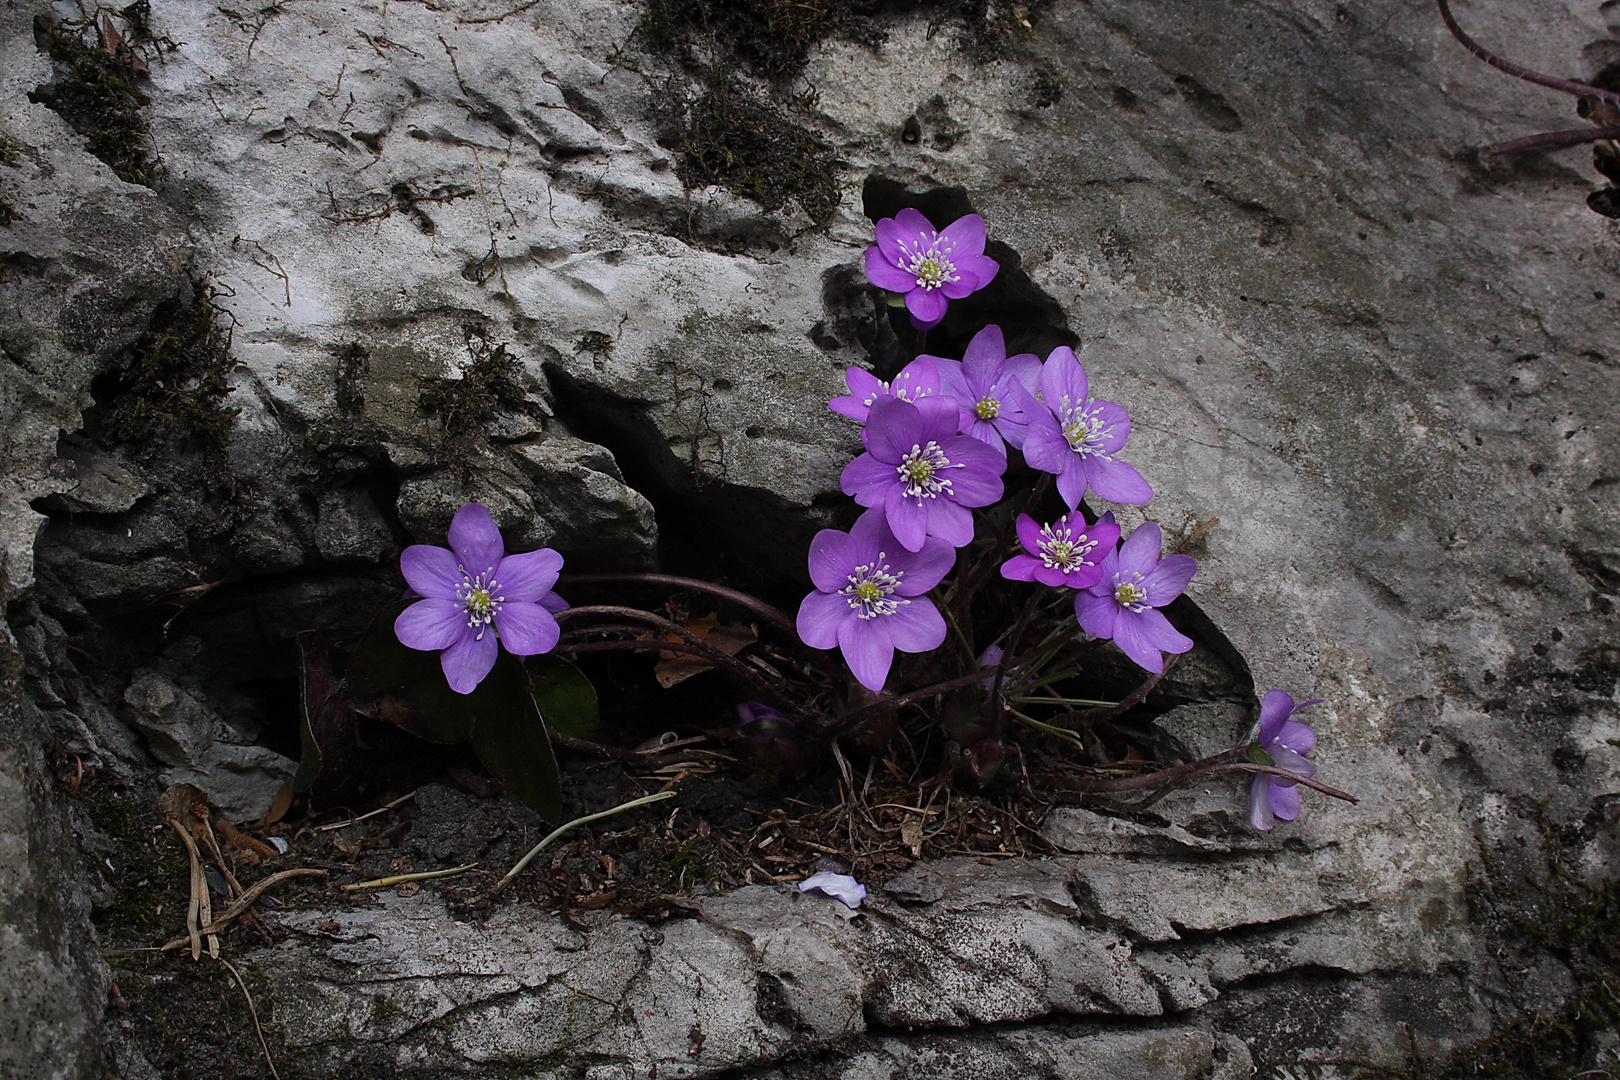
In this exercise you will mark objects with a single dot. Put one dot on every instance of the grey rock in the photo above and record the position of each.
(98, 483)
(199, 748)
(1075, 829)
(349, 526)
(1205, 728)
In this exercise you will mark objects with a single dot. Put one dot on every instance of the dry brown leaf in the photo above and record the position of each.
(731, 638)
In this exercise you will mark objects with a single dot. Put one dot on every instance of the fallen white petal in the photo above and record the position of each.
(839, 886)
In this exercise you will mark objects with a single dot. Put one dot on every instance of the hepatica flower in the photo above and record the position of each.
(992, 389)
(922, 474)
(475, 595)
(869, 597)
(928, 268)
(1077, 436)
(1067, 553)
(1124, 603)
(917, 379)
(1283, 741)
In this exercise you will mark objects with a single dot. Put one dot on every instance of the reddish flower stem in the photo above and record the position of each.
(741, 598)
(1572, 137)
(1568, 86)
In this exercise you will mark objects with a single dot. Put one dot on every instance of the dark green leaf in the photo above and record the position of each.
(510, 738)
(1259, 756)
(566, 698)
(405, 686)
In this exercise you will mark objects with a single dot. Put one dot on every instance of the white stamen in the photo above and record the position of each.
(870, 588)
(1084, 428)
(1062, 551)
(988, 408)
(1129, 594)
(919, 471)
(931, 266)
(481, 596)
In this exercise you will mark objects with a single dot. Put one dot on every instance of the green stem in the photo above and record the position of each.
(576, 823)
(1047, 729)
(1076, 702)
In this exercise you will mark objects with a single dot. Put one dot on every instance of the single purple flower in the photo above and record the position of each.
(916, 380)
(1124, 603)
(1077, 436)
(923, 475)
(864, 600)
(929, 268)
(750, 712)
(475, 593)
(838, 886)
(1283, 742)
(1067, 553)
(992, 389)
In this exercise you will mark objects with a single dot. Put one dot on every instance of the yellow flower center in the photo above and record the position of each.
(988, 408)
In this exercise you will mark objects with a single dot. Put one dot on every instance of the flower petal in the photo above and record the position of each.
(868, 480)
(1098, 615)
(1284, 799)
(476, 540)
(917, 626)
(893, 427)
(1260, 803)
(964, 238)
(889, 235)
(917, 380)
(1157, 632)
(528, 576)
(1063, 377)
(429, 625)
(868, 536)
(526, 629)
(1021, 568)
(1296, 737)
(883, 272)
(1140, 553)
(838, 886)
(1116, 481)
(941, 418)
(914, 228)
(985, 353)
(1029, 534)
(867, 649)
(1044, 445)
(467, 661)
(978, 481)
(431, 571)
(1287, 759)
(908, 518)
(553, 603)
(1071, 481)
(923, 569)
(1169, 579)
(830, 561)
(1116, 426)
(983, 267)
(950, 521)
(1134, 644)
(966, 283)
(820, 616)
(1275, 707)
(927, 306)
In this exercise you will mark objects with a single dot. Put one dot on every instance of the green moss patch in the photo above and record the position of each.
(731, 138)
(466, 407)
(176, 378)
(97, 92)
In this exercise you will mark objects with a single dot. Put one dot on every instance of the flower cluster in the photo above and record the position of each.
(937, 440)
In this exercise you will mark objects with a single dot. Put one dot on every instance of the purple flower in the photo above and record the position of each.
(992, 389)
(1124, 603)
(1066, 553)
(838, 886)
(475, 593)
(1282, 741)
(917, 379)
(923, 475)
(749, 712)
(929, 268)
(863, 603)
(1076, 437)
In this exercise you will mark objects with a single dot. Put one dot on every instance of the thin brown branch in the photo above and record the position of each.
(742, 599)
(1568, 86)
(1572, 137)
(719, 657)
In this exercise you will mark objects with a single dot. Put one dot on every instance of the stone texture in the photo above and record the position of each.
(1383, 361)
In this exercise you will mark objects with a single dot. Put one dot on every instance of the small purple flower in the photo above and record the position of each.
(864, 600)
(838, 886)
(929, 268)
(475, 593)
(992, 389)
(923, 475)
(1077, 436)
(1283, 741)
(750, 712)
(1124, 603)
(1067, 553)
(917, 379)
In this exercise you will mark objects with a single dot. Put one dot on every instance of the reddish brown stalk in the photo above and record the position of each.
(1166, 780)
(1572, 137)
(719, 657)
(740, 598)
(878, 708)
(1568, 86)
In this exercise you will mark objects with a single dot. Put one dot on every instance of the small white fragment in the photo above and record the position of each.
(279, 844)
(839, 886)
